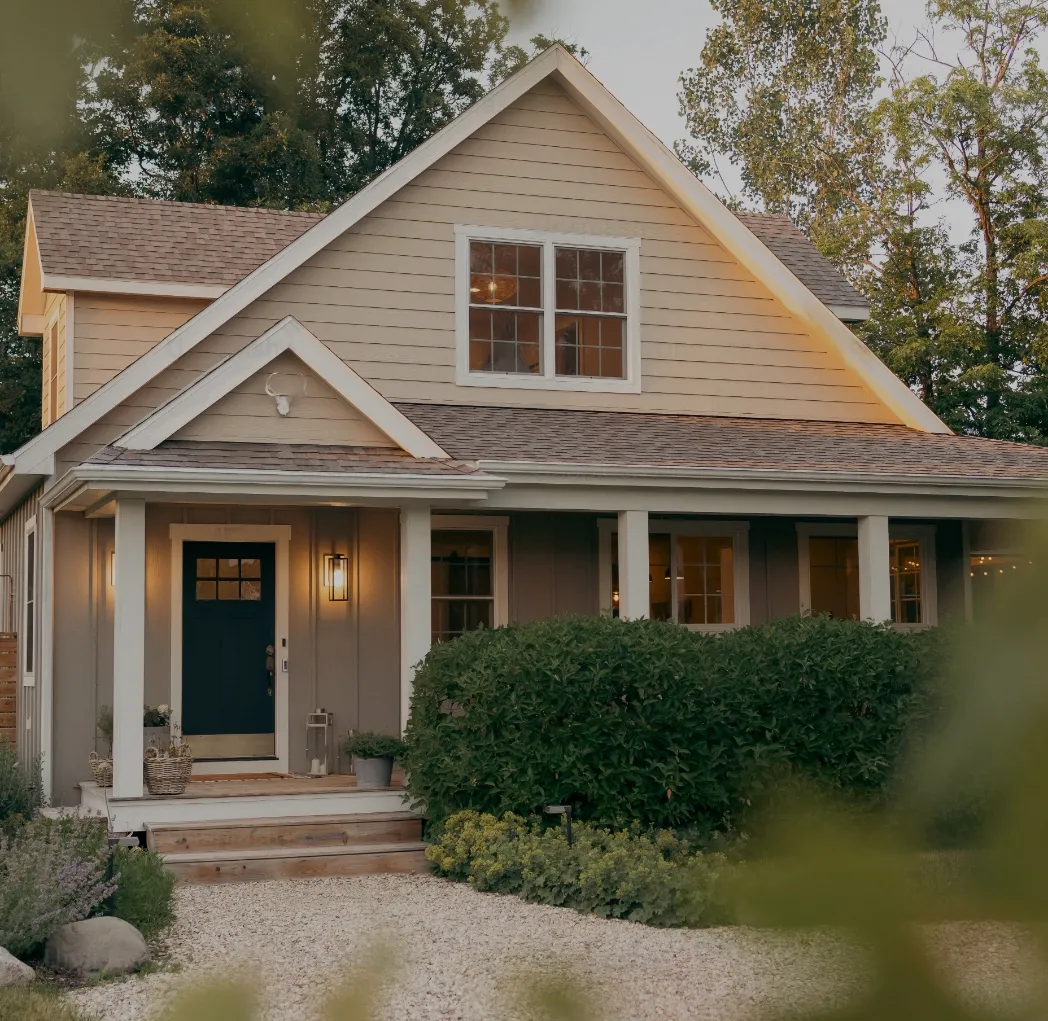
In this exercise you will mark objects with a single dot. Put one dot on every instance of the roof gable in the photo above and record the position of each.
(176, 415)
(649, 153)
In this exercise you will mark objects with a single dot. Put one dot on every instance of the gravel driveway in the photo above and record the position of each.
(455, 951)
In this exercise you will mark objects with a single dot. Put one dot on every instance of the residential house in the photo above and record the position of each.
(535, 368)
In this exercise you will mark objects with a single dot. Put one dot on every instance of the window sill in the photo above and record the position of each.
(578, 384)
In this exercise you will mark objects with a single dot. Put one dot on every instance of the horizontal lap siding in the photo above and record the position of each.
(111, 331)
(382, 296)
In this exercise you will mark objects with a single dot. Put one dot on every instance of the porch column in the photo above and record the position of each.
(634, 583)
(416, 625)
(874, 569)
(129, 647)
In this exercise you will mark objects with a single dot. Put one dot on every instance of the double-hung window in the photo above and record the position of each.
(547, 311)
(468, 575)
(29, 603)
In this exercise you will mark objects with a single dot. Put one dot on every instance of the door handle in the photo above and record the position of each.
(271, 665)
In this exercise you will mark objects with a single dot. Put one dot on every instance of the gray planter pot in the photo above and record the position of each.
(373, 773)
(157, 737)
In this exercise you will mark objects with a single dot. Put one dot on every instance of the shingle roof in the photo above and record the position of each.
(626, 439)
(108, 238)
(803, 259)
(266, 457)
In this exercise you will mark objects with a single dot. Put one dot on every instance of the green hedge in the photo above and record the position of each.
(656, 879)
(648, 723)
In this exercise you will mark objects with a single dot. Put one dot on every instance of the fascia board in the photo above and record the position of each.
(149, 288)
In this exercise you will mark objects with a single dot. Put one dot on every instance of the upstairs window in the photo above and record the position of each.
(547, 311)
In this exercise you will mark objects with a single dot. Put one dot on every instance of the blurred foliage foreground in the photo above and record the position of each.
(819, 866)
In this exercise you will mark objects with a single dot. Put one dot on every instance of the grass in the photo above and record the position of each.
(36, 1003)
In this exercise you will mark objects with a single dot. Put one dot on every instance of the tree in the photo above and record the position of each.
(513, 58)
(816, 133)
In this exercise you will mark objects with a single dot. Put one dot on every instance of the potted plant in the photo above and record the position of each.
(373, 756)
(102, 767)
(156, 722)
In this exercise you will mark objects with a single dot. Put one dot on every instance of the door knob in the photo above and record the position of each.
(271, 665)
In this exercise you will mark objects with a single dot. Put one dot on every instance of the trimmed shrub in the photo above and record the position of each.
(145, 890)
(656, 879)
(52, 872)
(21, 790)
(648, 723)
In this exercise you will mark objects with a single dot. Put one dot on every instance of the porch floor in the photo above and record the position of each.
(217, 786)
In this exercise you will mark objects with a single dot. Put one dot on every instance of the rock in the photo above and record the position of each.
(12, 971)
(96, 945)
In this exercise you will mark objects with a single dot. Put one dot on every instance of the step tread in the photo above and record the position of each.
(284, 820)
(268, 853)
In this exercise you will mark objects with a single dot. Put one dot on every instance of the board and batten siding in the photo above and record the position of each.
(12, 564)
(382, 295)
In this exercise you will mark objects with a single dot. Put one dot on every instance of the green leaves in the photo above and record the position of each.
(647, 723)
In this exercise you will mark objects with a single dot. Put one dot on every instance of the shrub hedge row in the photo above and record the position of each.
(656, 879)
(645, 722)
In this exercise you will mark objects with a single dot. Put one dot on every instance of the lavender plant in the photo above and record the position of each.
(52, 872)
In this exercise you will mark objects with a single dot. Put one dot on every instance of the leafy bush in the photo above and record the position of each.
(654, 879)
(648, 723)
(52, 872)
(144, 890)
(369, 745)
(21, 790)
(36, 1003)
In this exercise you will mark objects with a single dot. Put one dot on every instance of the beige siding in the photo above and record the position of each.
(382, 296)
(111, 331)
(12, 617)
(55, 306)
(318, 414)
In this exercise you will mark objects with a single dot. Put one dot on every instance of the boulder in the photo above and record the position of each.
(96, 945)
(12, 971)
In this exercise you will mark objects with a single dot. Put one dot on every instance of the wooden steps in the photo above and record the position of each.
(306, 847)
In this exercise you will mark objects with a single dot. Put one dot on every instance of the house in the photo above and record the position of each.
(536, 368)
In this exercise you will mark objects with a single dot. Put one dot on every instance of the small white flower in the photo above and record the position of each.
(163, 709)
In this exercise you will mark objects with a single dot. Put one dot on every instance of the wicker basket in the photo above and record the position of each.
(168, 775)
(102, 770)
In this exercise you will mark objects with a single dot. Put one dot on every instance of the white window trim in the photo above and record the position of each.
(280, 536)
(739, 531)
(547, 380)
(29, 676)
(499, 527)
(925, 534)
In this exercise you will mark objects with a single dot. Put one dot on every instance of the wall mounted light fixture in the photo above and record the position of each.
(336, 576)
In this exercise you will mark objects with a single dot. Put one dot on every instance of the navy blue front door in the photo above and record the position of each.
(228, 634)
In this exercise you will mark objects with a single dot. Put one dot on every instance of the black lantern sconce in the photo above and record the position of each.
(336, 576)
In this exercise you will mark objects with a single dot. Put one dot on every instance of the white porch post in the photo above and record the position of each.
(129, 647)
(634, 584)
(874, 569)
(416, 624)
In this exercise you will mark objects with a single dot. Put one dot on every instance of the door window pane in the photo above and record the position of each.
(206, 590)
(228, 579)
(834, 576)
(462, 578)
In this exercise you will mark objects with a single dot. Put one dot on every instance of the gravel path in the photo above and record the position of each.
(455, 952)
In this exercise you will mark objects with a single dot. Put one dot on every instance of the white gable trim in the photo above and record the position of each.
(149, 288)
(625, 129)
(288, 335)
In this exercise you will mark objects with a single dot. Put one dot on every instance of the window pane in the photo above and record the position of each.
(462, 581)
(505, 275)
(505, 341)
(251, 590)
(590, 281)
(613, 267)
(229, 590)
(228, 568)
(454, 617)
(250, 568)
(906, 602)
(30, 566)
(834, 576)
(705, 579)
(206, 590)
(206, 568)
(590, 346)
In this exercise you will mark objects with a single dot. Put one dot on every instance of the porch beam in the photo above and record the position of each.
(634, 584)
(415, 597)
(129, 647)
(874, 569)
